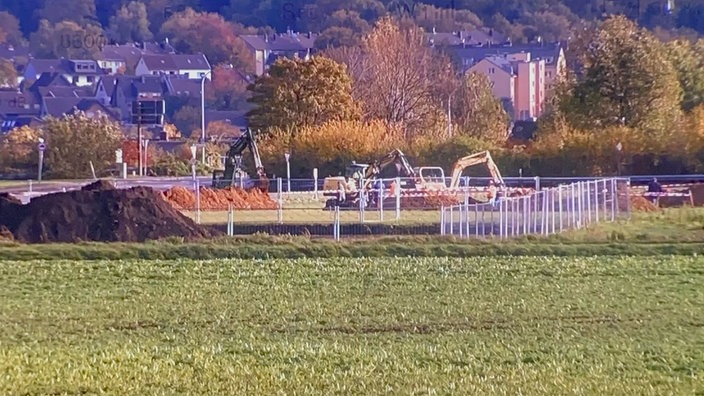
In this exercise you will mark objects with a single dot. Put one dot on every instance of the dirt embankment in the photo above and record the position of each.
(97, 212)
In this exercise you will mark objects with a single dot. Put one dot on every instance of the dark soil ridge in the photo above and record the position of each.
(97, 212)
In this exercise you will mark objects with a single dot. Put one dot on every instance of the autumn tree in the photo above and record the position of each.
(626, 79)
(395, 76)
(18, 148)
(228, 89)
(130, 153)
(477, 112)
(130, 23)
(329, 146)
(10, 29)
(689, 65)
(208, 33)
(76, 140)
(219, 130)
(187, 119)
(66, 39)
(299, 92)
(81, 12)
(8, 74)
(441, 19)
(344, 28)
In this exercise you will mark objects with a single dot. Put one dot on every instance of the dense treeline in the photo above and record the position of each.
(342, 22)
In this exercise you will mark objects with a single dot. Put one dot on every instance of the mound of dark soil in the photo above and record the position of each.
(98, 212)
(100, 185)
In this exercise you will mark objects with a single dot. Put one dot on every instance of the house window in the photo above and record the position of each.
(492, 70)
(491, 84)
(90, 79)
(201, 75)
(549, 74)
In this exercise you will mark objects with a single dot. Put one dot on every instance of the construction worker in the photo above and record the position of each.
(655, 188)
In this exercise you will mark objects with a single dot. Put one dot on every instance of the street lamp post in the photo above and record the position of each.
(288, 171)
(619, 147)
(194, 149)
(202, 113)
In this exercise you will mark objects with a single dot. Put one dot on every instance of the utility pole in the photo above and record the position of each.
(139, 138)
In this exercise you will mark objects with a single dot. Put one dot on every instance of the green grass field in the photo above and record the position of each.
(354, 326)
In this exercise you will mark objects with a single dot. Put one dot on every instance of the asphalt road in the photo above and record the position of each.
(25, 193)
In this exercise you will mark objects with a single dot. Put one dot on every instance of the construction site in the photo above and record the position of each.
(413, 200)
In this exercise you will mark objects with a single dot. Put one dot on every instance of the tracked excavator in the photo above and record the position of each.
(483, 157)
(345, 190)
(234, 175)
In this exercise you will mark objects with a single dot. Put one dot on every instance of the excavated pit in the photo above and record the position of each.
(97, 212)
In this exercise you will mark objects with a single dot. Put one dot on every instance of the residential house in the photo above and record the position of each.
(517, 80)
(188, 66)
(477, 37)
(124, 90)
(80, 72)
(267, 48)
(17, 108)
(57, 86)
(118, 57)
(185, 88)
(58, 107)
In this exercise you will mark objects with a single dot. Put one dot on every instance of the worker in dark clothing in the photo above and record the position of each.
(654, 187)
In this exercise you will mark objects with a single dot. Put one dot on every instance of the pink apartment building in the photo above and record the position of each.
(517, 80)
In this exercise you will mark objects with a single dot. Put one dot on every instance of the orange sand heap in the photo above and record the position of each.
(219, 199)
(641, 204)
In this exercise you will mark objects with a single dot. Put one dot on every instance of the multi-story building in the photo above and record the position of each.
(267, 48)
(521, 76)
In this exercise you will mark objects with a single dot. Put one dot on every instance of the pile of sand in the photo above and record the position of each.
(219, 199)
(641, 204)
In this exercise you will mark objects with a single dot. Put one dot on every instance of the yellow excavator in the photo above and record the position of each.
(345, 189)
(481, 158)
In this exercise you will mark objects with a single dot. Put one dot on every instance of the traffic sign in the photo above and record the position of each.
(118, 156)
(41, 146)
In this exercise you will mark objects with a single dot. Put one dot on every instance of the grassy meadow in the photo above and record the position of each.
(507, 325)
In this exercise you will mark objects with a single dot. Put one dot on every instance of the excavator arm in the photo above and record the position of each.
(476, 159)
(394, 157)
(246, 140)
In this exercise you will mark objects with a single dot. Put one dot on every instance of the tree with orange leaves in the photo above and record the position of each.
(228, 90)
(210, 34)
